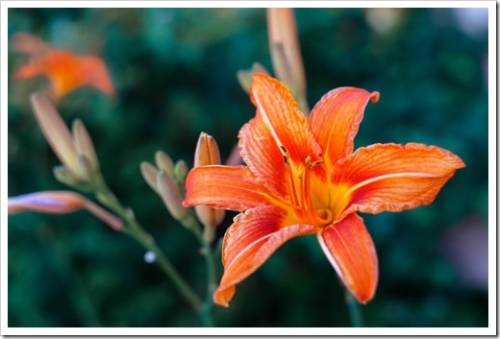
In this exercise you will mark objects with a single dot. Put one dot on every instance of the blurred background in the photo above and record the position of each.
(174, 70)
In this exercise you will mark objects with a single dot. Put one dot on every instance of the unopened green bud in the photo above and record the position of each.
(64, 176)
(171, 195)
(84, 144)
(85, 167)
(164, 162)
(180, 171)
(149, 173)
(55, 131)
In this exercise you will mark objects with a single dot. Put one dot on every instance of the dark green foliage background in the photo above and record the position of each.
(175, 75)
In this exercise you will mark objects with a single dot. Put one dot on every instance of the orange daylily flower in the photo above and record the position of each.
(65, 70)
(302, 177)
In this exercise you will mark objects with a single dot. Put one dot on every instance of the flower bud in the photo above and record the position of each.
(84, 144)
(207, 153)
(85, 167)
(61, 202)
(180, 171)
(164, 162)
(285, 51)
(149, 173)
(56, 133)
(56, 202)
(63, 175)
(171, 195)
(245, 76)
(234, 158)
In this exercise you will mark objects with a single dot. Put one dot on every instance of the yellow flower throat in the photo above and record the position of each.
(314, 199)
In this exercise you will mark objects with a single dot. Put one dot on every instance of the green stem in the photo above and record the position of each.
(182, 286)
(354, 310)
(191, 223)
(211, 282)
(134, 229)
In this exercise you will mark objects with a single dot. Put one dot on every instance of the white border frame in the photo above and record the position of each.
(301, 331)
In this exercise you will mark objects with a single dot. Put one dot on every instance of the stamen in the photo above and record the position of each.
(294, 196)
(283, 151)
(312, 164)
(306, 194)
(291, 176)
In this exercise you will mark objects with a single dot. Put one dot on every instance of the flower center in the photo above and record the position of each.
(328, 200)
(325, 216)
(314, 199)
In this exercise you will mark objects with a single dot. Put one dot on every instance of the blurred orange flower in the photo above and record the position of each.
(65, 70)
(302, 177)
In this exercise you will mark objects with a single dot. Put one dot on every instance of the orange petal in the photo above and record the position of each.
(335, 120)
(349, 248)
(253, 237)
(280, 113)
(393, 177)
(225, 187)
(262, 155)
(66, 72)
(63, 70)
(27, 71)
(97, 74)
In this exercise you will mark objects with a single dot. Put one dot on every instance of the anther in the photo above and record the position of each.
(310, 164)
(284, 153)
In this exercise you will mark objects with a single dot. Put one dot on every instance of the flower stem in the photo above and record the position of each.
(211, 280)
(354, 310)
(191, 223)
(182, 286)
(134, 229)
